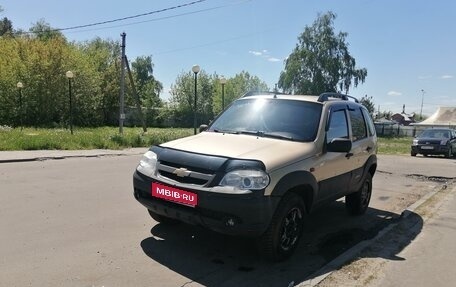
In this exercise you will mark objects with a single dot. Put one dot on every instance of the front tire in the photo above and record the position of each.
(449, 154)
(358, 202)
(282, 237)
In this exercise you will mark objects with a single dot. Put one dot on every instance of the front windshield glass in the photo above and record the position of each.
(438, 134)
(276, 118)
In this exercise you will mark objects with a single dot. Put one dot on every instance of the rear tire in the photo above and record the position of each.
(358, 202)
(162, 219)
(283, 234)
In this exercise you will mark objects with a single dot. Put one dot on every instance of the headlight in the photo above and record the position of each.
(443, 142)
(148, 164)
(246, 179)
(415, 142)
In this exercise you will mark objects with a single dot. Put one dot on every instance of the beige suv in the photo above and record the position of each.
(261, 166)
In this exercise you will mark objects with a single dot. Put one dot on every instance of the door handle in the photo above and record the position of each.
(368, 149)
(349, 155)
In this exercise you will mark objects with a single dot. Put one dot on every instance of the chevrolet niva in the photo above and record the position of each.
(261, 166)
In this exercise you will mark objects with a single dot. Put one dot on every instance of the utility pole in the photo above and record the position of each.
(122, 86)
(422, 101)
(136, 96)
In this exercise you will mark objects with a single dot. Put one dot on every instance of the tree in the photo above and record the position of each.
(6, 26)
(321, 62)
(236, 87)
(102, 57)
(369, 104)
(43, 31)
(148, 87)
(183, 95)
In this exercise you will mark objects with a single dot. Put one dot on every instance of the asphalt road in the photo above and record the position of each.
(75, 222)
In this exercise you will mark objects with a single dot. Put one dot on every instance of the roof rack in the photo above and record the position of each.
(256, 93)
(325, 97)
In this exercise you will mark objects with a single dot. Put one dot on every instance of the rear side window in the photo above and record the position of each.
(338, 127)
(358, 124)
(370, 124)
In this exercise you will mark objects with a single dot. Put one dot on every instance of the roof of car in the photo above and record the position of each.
(324, 97)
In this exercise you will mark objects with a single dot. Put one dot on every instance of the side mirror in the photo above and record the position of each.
(339, 145)
(203, 128)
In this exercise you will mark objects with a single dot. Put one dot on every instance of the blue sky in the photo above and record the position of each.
(406, 46)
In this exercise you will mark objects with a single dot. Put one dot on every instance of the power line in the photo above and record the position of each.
(134, 16)
(126, 18)
(162, 18)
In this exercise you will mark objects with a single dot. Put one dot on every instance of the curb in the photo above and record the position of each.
(351, 253)
(30, 158)
(42, 158)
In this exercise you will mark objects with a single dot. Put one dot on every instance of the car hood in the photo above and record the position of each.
(272, 152)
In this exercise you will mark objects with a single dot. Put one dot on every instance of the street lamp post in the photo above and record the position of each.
(223, 82)
(195, 70)
(70, 76)
(19, 86)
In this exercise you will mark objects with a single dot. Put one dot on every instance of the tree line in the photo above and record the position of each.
(40, 58)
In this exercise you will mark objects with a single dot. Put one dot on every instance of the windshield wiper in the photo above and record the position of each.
(268, 135)
(278, 136)
(225, 131)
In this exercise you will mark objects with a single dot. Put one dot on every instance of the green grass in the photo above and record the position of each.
(85, 138)
(394, 145)
(109, 138)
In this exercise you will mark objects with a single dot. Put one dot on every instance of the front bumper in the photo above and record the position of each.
(430, 149)
(233, 214)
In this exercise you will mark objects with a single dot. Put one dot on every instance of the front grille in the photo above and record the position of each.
(190, 167)
(429, 142)
(185, 175)
(187, 180)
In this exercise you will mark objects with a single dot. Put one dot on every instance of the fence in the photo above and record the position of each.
(388, 129)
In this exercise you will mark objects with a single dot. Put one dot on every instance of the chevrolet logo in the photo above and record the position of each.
(181, 172)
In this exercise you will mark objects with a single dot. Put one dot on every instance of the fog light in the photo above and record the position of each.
(229, 222)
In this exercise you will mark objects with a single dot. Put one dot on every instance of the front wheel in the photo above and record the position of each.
(449, 154)
(281, 238)
(358, 202)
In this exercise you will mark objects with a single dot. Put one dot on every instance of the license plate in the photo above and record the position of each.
(427, 147)
(174, 194)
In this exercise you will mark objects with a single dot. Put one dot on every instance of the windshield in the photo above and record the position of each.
(438, 134)
(277, 118)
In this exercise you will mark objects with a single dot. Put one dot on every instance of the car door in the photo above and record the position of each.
(333, 170)
(453, 141)
(363, 144)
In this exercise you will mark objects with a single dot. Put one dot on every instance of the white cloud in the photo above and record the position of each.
(394, 93)
(445, 77)
(424, 77)
(256, 53)
(265, 55)
(272, 59)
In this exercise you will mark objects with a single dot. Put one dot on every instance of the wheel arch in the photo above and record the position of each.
(302, 183)
(371, 165)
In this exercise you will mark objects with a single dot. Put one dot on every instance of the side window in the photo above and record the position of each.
(338, 127)
(370, 124)
(358, 124)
